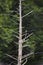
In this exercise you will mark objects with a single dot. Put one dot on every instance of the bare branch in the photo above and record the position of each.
(26, 46)
(16, 33)
(11, 63)
(17, 9)
(16, 12)
(27, 14)
(28, 36)
(27, 55)
(11, 57)
(16, 36)
(11, 11)
(24, 40)
(15, 42)
(25, 33)
(25, 62)
(15, 22)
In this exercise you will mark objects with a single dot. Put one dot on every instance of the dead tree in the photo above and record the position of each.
(21, 59)
(20, 35)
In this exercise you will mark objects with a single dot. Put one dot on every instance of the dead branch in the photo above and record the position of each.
(26, 46)
(10, 63)
(13, 63)
(27, 55)
(11, 57)
(16, 36)
(16, 33)
(28, 36)
(24, 40)
(25, 62)
(27, 14)
(15, 42)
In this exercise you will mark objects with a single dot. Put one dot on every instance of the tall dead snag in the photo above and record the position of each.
(20, 34)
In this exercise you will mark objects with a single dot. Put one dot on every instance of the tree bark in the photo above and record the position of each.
(20, 35)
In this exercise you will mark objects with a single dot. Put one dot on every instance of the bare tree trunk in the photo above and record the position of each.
(20, 35)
